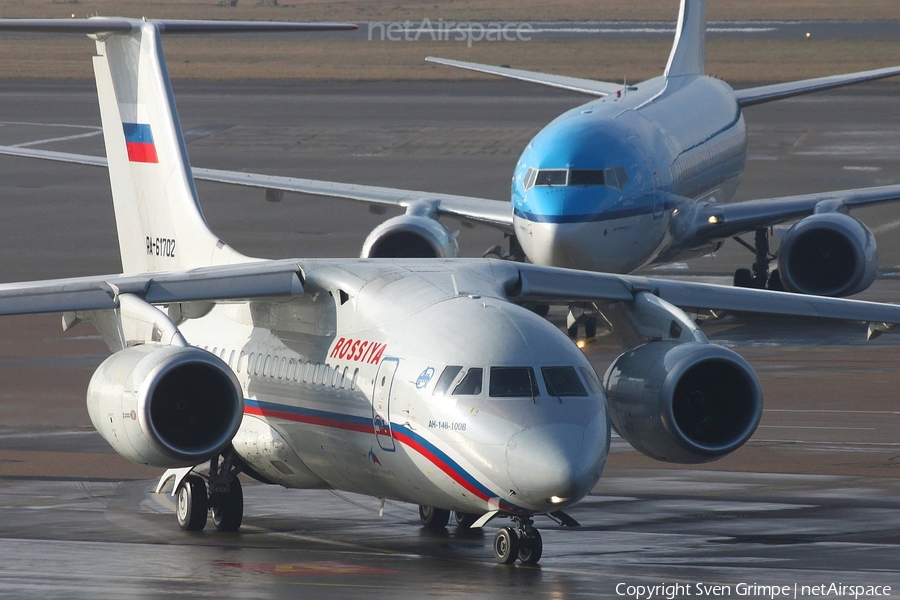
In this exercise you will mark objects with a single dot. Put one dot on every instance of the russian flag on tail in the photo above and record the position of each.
(139, 143)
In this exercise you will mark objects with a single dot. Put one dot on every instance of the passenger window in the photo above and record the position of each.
(266, 370)
(586, 177)
(563, 381)
(591, 380)
(471, 383)
(355, 376)
(281, 367)
(446, 378)
(513, 382)
(551, 177)
(240, 365)
(231, 359)
(258, 364)
(326, 374)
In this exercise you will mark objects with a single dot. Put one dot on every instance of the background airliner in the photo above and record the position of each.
(419, 380)
(637, 177)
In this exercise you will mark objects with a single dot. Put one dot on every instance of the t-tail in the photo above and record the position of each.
(688, 56)
(160, 224)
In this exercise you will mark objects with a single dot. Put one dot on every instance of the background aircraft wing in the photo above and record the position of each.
(547, 284)
(778, 91)
(222, 283)
(720, 221)
(495, 213)
(574, 84)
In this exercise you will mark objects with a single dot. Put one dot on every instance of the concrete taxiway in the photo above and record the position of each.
(812, 499)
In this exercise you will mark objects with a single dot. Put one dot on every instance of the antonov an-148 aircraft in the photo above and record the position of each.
(420, 380)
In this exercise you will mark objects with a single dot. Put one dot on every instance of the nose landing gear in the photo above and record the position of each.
(521, 541)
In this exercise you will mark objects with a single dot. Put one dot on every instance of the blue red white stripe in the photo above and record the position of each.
(401, 434)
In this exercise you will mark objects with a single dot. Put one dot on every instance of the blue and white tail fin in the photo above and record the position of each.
(688, 56)
(160, 224)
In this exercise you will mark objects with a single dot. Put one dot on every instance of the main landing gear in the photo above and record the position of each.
(519, 541)
(759, 276)
(219, 493)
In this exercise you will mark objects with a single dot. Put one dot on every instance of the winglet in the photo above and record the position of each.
(688, 55)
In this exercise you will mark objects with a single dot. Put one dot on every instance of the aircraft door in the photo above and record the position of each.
(381, 403)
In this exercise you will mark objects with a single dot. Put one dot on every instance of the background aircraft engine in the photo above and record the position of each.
(410, 236)
(828, 254)
(683, 402)
(165, 406)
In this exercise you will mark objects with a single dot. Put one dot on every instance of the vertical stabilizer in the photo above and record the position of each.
(688, 55)
(158, 216)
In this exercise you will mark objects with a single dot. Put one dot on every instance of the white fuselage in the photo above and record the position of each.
(340, 392)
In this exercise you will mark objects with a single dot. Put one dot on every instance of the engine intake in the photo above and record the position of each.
(410, 236)
(828, 254)
(165, 406)
(683, 402)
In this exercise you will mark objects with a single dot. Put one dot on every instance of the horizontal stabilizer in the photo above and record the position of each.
(574, 84)
(779, 91)
(100, 25)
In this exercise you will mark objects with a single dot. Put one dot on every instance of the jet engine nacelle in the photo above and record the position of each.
(683, 402)
(410, 236)
(828, 254)
(165, 406)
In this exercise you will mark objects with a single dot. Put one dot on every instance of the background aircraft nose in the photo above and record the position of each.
(553, 465)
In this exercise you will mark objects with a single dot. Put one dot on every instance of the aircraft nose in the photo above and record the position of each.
(554, 465)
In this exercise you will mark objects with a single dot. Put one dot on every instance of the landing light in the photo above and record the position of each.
(715, 220)
(580, 344)
(557, 500)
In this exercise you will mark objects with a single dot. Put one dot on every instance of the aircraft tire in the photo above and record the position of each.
(192, 506)
(433, 518)
(531, 548)
(506, 545)
(228, 512)
(743, 278)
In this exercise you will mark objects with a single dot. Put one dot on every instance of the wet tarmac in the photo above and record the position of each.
(811, 500)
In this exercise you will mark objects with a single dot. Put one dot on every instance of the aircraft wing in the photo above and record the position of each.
(778, 91)
(574, 84)
(494, 213)
(720, 221)
(547, 284)
(236, 282)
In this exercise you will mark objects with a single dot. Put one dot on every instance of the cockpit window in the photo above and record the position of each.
(513, 382)
(530, 177)
(616, 178)
(586, 177)
(591, 380)
(551, 177)
(471, 383)
(563, 381)
(447, 376)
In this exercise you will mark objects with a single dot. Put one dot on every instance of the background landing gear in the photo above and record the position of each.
(758, 276)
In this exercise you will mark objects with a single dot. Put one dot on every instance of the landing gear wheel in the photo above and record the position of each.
(228, 510)
(743, 278)
(464, 520)
(506, 545)
(433, 518)
(531, 548)
(775, 281)
(192, 506)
